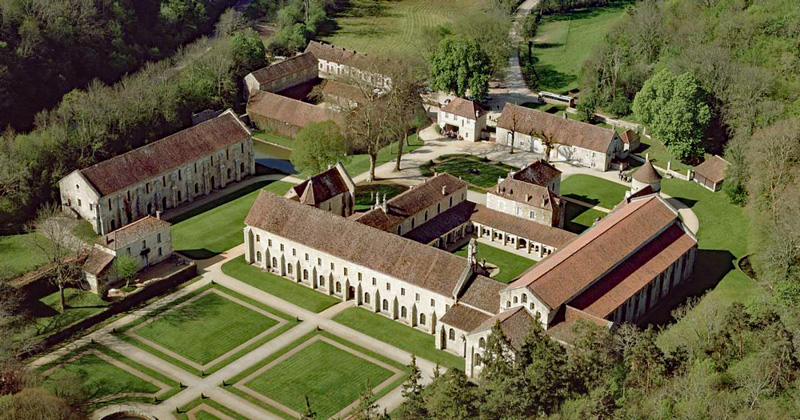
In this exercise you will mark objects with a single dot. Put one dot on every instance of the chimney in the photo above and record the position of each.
(477, 114)
(158, 214)
(565, 115)
(383, 204)
(444, 189)
(527, 197)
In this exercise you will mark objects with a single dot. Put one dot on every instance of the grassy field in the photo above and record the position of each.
(398, 335)
(395, 27)
(564, 41)
(511, 265)
(273, 138)
(461, 165)
(46, 315)
(365, 194)
(285, 289)
(205, 415)
(593, 190)
(18, 256)
(580, 218)
(207, 328)
(191, 234)
(659, 155)
(332, 378)
(101, 379)
(358, 164)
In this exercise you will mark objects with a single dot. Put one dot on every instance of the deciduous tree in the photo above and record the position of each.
(318, 146)
(460, 64)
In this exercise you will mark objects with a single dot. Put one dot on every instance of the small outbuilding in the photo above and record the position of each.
(630, 141)
(646, 176)
(711, 172)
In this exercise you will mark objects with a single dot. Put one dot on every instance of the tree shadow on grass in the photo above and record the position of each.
(585, 199)
(546, 45)
(198, 254)
(710, 267)
(550, 78)
(587, 13)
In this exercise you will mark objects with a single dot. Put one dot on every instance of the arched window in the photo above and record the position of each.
(274, 261)
(321, 281)
(524, 298)
(289, 269)
(366, 297)
(305, 274)
(452, 334)
(338, 287)
(258, 256)
(516, 299)
(422, 319)
(482, 343)
(385, 306)
(403, 312)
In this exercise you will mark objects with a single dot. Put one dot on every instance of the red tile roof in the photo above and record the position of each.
(629, 136)
(344, 91)
(565, 319)
(328, 52)
(527, 193)
(411, 202)
(483, 293)
(515, 324)
(712, 169)
(424, 266)
(539, 172)
(564, 130)
(97, 262)
(464, 108)
(287, 110)
(647, 173)
(620, 284)
(171, 152)
(528, 229)
(324, 186)
(464, 318)
(133, 232)
(611, 241)
(289, 66)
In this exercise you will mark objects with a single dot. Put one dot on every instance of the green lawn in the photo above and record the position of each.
(365, 198)
(580, 218)
(102, 379)
(192, 233)
(395, 27)
(593, 190)
(460, 166)
(18, 255)
(285, 289)
(659, 155)
(46, 315)
(564, 41)
(332, 378)
(398, 335)
(206, 328)
(358, 164)
(205, 415)
(273, 138)
(511, 265)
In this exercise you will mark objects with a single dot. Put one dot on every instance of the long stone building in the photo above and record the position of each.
(616, 272)
(161, 175)
(573, 141)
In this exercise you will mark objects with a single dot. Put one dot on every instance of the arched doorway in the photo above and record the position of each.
(351, 293)
(163, 203)
(213, 183)
(443, 339)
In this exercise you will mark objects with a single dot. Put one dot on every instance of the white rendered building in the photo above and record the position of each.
(464, 117)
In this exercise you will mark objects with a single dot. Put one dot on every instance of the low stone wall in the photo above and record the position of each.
(125, 304)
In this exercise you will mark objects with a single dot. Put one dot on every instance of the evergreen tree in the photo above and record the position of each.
(543, 362)
(413, 406)
(452, 398)
(367, 408)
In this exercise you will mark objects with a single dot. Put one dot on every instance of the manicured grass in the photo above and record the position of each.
(365, 197)
(273, 138)
(18, 255)
(47, 317)
(358, 164)
(511, 265)
(593, 190)
(207, 328)
(204, 415)
(659, 155)
(332, 378)
(395, 27)
(580, 218)
(461, 165)
(217, 226)
(398, 335)
(564, 41)
(101, 379)
(83, 230)
(285, 289)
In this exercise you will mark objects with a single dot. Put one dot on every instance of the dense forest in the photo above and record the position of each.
(49, 47)
(745, 55)
(101, 121)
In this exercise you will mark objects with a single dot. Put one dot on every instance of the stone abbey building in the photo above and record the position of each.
(394, 261)
(160, 175)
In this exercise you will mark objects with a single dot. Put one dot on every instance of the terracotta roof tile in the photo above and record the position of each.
(421, 265)
(133, 232)
(564, 130)
(442, 223)
(153, 159)
(344, 91)
(565, 319)
(411, 202)
(324, 186)
(647, 173)
(328, 52)
(712, 169)
(98, 261)
(628, 278)
(289, 66)
(483, 293)
(464, 108)
(287, 110)
(464, 318)
(527, 193)
(573, 268)
(514, 323)
(629, 136)
(540, 172)
(537, 232)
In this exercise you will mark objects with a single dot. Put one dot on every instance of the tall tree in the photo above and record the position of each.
(675, 109)
(452, 398)
(317, 146)
(413, 406)
(404, 102)
(543, 362)
(460, 64)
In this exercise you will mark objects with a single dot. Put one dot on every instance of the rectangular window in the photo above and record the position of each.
(281, 247)
(269, 242)
(159, 251)
(147, 187)
(333, 266)
(359, 276)
(158, 238)
(258, 238)
(195, 167)
(179, 174)
(344, 270)
(109, 204)
(242, 147)
(164, 181)
(388, 286)
(144, 244)
(417, 297)
(79, 202)
(294, 252)
(532, 214)
(90, 206)
(319, 261)
(306, 256)
(373, 281)
(212, 160)
(433, 302)
(402, 291)
(227, 154)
